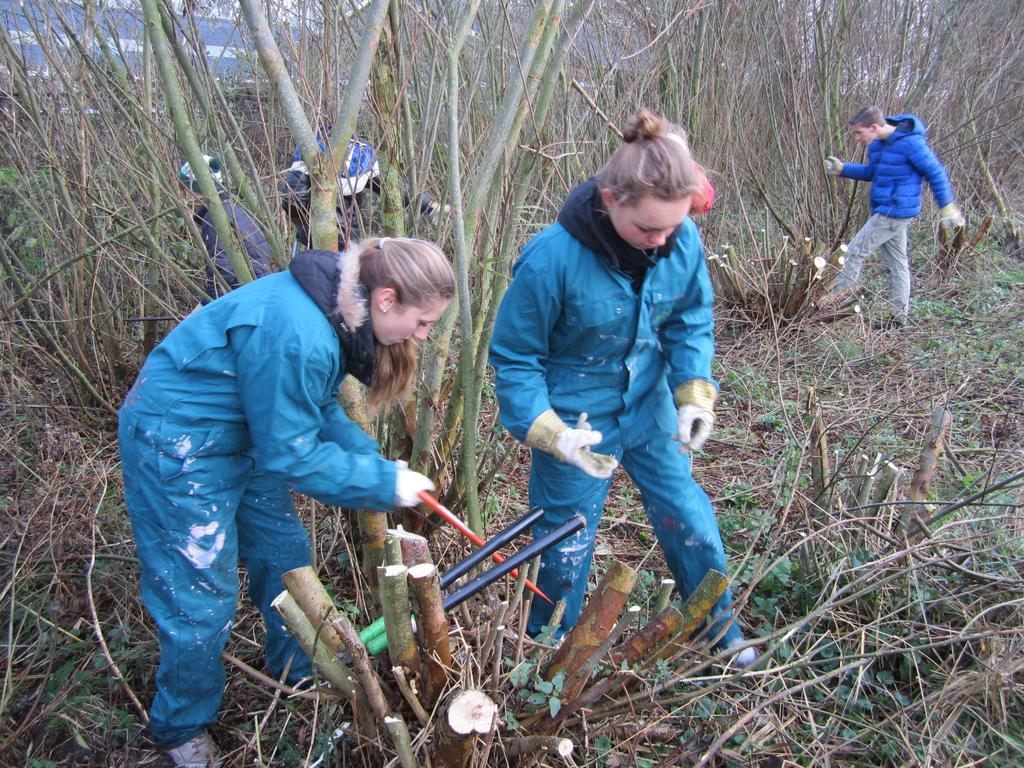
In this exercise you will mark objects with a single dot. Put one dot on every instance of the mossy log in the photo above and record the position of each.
(695, 611)
(599, 616)
(336, 673)
(309, 594)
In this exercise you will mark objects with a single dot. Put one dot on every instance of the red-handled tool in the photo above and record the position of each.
(466, 531)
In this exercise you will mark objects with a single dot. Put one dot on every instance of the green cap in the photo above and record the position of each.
(187, 177)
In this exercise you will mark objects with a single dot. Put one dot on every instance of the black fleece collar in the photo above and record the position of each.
(585, 218)
(319, 274)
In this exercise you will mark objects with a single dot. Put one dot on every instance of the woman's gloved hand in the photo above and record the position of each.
(550, 434)
(694, 425)
(408, 485)
(695, 414)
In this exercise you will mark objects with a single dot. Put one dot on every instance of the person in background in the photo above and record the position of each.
(899, 158)
(361, 175)
(602, 350)
(250, 235)
(236, 408)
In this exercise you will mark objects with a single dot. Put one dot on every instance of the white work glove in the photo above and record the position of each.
(695, 416)
(694, 425)
(408, 485)
(833, 166)
(550, 434)
(952, 218)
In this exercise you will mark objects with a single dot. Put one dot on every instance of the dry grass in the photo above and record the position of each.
(876, 652)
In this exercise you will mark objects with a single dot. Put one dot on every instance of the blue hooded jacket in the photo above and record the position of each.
(895, 168)
(574, 333)
(257, 373)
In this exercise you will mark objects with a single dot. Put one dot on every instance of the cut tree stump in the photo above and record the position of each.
(415, 550)
(652, 635)
(695, 610)
(394, 598)
(468, 715)
(915, 516)
(306, 635)
(309, 594)
(432, 629)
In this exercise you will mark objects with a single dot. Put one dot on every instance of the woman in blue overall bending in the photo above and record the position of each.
(602, 354)
(236, 408)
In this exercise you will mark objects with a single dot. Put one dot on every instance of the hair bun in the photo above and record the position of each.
(645, 125)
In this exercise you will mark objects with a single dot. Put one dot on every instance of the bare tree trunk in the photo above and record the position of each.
(432, 629)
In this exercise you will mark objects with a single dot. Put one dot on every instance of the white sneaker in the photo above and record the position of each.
(744, 658)
(197, 752)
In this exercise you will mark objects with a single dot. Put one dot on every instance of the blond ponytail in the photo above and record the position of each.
(420, 275)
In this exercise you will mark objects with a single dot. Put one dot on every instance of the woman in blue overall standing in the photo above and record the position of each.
(236, 408)
(607, 325)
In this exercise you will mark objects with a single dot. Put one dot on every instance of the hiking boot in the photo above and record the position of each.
(198, 752)
(891, 323)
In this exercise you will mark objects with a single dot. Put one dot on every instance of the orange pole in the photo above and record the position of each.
(466, 531)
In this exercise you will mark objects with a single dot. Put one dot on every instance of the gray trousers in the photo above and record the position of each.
(889, 235)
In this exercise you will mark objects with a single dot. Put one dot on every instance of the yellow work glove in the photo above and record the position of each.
(550, 434)
(695, 403)
(951, 217)
(833, 166)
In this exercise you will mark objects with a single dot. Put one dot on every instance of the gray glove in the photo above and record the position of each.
(694, 424)
(833, 166)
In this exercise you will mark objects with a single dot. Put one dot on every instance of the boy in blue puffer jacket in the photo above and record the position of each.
(898, 158)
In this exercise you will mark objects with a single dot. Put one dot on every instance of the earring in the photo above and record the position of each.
(385, 310)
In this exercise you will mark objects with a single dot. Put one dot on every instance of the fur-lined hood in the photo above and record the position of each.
(332, 281)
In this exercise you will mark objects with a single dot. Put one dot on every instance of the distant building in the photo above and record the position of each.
(38, 27)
